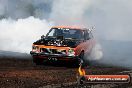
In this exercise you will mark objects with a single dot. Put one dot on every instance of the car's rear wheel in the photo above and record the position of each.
(96, 53)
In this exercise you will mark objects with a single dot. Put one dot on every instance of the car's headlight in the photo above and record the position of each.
(71, 52)
(35, 48)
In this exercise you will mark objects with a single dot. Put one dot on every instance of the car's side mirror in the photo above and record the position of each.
(42, 36)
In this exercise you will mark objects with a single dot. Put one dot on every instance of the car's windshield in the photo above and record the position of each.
(66, 33)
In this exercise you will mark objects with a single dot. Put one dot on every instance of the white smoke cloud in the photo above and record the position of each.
(112, 18)
(69, 12)
(19, 35)
(17, 9)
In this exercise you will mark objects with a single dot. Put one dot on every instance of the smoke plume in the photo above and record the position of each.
(18, 35)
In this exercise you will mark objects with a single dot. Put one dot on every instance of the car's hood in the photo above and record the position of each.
(57, 42)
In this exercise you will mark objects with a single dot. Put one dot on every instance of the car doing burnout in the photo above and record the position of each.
(63, 43)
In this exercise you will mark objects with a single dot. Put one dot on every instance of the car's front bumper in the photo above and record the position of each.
(54, 57)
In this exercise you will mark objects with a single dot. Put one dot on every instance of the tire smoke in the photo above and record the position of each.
(96, 53)
(18, 36)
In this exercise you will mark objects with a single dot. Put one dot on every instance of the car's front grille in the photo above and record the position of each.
(52, 51)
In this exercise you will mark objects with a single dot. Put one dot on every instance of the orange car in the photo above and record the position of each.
(63, 43)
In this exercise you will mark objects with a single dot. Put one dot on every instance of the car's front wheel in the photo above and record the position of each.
(81, 60)
(37, 61)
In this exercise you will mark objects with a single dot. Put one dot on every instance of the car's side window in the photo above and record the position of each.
(86, 35)
(83, 35)
(90, 35)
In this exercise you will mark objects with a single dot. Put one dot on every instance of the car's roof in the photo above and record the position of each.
(70, 27)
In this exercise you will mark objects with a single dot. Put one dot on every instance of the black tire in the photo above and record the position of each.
(76, 63)
(81, 60)
(37, 61)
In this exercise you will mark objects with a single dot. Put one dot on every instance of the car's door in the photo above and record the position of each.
(82, 45)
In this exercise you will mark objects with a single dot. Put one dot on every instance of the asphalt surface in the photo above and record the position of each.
(22, 73)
